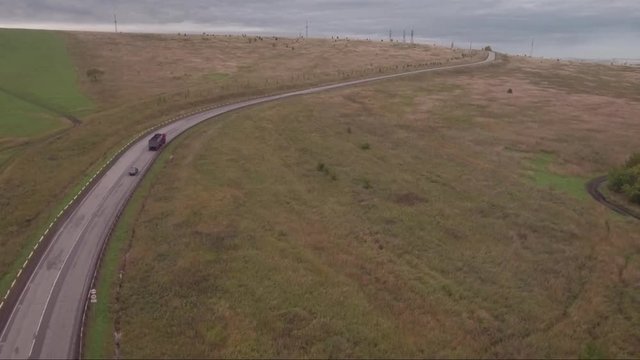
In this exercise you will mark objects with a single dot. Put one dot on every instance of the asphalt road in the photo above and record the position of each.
(46, 320)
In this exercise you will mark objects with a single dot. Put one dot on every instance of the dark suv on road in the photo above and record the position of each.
(157, 141)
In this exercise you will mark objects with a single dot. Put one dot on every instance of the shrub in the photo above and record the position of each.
(365, 146)
(626, 180)
(321, 167)
(632, 192)
(617, 179)
(632, 161)
(510, 91)
(94, 74)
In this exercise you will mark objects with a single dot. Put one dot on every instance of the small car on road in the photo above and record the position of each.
(133, 171)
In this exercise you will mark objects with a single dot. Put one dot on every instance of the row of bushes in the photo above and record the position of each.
(626, 180)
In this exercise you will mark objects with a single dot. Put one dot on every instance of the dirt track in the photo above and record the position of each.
(593, 188)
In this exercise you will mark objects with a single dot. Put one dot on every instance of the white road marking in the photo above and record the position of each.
(44, 310)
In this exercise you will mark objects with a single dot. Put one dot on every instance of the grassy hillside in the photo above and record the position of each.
(37, 82)
(139, 66)
(146, 79)
(436, 216)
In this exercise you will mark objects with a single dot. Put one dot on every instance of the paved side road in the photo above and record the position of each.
(46, 320)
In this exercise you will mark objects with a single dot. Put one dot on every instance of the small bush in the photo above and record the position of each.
(632, 192)
(365, 146)
(633, 161)
(626, 180)
(366, 184)
(617, 179)
(94, 74)
(321, 167)
(510, 91)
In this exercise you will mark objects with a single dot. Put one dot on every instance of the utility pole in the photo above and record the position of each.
(411, 36)
(404, 36)
(390, 35)
(115, 22)
(532, 42)
(306, 31)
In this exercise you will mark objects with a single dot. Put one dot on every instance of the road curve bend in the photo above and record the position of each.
(46, 318)
(593, 188)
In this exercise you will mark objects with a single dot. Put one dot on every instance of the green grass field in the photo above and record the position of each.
(543, 176)
(273, 232)
(19, 118)
(35, 66)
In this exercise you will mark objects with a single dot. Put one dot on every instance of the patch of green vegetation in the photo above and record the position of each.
(39, 79)
(321, 167)
(460, 114)
(626, 179)
(19, 118)
(545, 177)
(99, 342)
(592, 351)
(216, 76)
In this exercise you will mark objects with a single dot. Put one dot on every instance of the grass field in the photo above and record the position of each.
(545, 177)
(142, 66)
(146, 79)
(37, 78)
(459, 230)
(20, 119)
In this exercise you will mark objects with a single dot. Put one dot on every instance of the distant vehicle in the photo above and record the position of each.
(157, 141)
(133, 171)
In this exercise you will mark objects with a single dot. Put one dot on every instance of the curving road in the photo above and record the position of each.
(593, 188)
(46, 319)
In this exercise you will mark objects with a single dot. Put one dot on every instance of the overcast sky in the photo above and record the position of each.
(561, 28)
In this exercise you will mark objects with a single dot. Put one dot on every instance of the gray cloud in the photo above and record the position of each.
(580, 28)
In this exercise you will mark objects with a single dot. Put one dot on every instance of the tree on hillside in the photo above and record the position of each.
(95, 74)
(626, 180)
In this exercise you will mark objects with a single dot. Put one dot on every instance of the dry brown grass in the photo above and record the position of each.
(244, 249)
(143, 65)
(151, 78)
